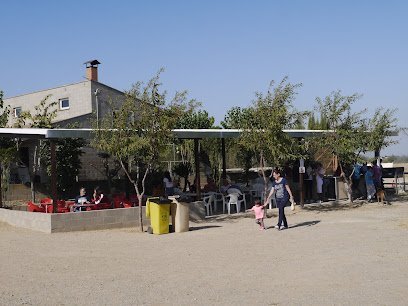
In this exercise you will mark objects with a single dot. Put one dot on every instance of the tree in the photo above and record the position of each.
(108, 170)
(347, 129)
(264, 122)
(68, 162)
(347, 132)
(311, 124)
(235, 119)
(45, 113)
(7, 149)
(136, 132)
(194, 118)
(381, 127)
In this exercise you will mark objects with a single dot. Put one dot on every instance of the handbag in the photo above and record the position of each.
(292, 205)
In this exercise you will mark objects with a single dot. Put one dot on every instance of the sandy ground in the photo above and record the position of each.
(328, 256)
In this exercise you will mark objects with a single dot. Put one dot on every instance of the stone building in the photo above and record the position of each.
(78, 103)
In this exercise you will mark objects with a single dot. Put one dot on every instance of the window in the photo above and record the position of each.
(17, 111)
(64, 103)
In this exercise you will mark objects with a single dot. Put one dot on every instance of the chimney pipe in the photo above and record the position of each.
(92, 70)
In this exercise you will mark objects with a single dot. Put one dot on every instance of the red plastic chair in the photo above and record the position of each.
(46, 201)
(34, 208)
(69, 204)
(127, 204)
(117, 203)
(61, 203)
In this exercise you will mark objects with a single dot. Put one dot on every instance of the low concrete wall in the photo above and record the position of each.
(78, 221)
(35, 221)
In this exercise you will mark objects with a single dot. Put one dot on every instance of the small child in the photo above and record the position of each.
(259, 213)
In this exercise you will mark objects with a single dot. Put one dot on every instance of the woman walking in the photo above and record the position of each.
(283, 194)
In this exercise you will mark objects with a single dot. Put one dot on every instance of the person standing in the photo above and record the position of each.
(319, 182)
(283, 194)
(369, 184)
(377, 174)
(356, 180)
(259, 211)
(168, 184)
(309, 184)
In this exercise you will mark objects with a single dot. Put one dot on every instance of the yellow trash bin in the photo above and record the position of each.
(158, 210)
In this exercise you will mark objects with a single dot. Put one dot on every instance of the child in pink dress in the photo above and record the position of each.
(259, 213)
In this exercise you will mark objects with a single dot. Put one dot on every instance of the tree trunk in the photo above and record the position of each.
(140, 199)
(347, 184)
(185, 183)
(32, 188)
(139, 195)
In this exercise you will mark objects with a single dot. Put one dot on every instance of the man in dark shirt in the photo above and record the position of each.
(81, 199)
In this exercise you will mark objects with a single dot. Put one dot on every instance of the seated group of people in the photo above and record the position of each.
(82, 198)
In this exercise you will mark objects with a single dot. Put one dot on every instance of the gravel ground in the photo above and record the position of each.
(330, 255)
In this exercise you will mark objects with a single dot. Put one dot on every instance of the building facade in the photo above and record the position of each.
(80, 104)
(76, 103)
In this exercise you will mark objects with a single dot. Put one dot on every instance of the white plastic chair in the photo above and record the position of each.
(219, 199)
(208, 199)
(257, 191)
(235, 197)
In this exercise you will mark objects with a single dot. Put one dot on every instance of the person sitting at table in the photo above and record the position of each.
(231, 185)
(81, 199)
(168, 184)
(98, 196)
(210, 186)
(225, 185)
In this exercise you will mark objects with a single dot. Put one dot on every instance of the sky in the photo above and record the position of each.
(221, 52)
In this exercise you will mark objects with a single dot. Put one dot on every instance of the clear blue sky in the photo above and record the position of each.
(220, 51)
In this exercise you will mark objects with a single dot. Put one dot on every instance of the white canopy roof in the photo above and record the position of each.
(179, 133)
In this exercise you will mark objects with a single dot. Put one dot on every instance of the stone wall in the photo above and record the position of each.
(20, 192)
(67, 222)
(34, 221)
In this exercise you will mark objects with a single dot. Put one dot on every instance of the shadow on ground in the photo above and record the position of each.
(307, 223)
(197, 228)
(236, 216)
(334, 206)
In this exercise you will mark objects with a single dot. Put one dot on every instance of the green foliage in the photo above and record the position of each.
(236, 118)
(317, 124)
(138, 131)
(311, 124)
(8, 149)
(45, 113)
(4, 112)
(381, 126)
(352, 134)
(183, 169)
(68, 159)
(347, 134)
(192, 119)
(264, 122)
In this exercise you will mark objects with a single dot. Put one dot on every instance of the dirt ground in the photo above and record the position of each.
(330, 255)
